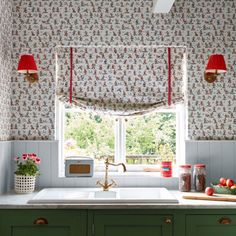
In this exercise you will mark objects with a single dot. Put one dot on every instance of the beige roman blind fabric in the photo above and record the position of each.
(120, 80)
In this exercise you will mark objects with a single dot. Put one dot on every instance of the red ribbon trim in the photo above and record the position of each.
(169, 78)
(71, 74)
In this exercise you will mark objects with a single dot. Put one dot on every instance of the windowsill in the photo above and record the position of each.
(131, 174)
(127, 175)
(127, 179)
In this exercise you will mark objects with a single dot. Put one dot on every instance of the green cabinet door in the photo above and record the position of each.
(43, 223)
(132, 225)
(207, 225)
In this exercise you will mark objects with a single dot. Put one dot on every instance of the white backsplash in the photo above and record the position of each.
(48, 152)
(5, 165)
(219, 157)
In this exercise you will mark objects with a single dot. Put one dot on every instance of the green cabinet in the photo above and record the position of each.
(117, 222)
(215, 224)
(132, 224)
(43, 223)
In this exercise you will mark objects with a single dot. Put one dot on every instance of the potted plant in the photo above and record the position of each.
(26, 172)
(167, 157)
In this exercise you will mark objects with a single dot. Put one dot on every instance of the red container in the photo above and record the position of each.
(166, 168)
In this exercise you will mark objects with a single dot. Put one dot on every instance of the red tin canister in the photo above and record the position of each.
(166, 168)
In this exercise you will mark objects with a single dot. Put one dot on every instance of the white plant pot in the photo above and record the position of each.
(24, 184)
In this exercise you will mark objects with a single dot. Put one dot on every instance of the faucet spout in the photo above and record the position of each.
(113, 164)
(106, 185)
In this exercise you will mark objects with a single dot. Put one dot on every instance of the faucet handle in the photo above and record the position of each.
(105, 185)
(112, 184)
(99, 183)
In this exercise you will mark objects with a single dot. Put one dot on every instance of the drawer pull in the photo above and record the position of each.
(224, 221)
(168, 221)
(41, 221)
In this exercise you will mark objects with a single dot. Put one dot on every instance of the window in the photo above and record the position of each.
(149, 139)
(124, 80)
(140, 141)
(89, 134)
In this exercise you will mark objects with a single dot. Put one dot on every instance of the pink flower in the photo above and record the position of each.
(16, 158)
(37, 160)
(32, 156)
(27, 164)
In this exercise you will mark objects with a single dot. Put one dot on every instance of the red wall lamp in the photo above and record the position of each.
(215, 66)
(28, 67)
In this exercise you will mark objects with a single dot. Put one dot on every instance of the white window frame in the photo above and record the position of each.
(120, 138)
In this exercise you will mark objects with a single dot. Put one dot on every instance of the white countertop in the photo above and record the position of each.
(19, 201)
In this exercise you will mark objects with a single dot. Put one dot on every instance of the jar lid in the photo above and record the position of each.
(166, 162)
(186, 166)
(200, 165)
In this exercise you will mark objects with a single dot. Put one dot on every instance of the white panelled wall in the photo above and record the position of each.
(48, 152)
(219, 157)
(5, 165)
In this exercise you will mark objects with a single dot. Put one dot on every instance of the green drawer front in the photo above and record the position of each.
(128, 225)
(59, 223)
(40, 231)
(206, 225)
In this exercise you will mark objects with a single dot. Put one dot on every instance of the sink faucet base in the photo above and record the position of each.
(106, 185)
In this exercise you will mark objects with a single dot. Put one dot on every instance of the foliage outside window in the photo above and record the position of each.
(149, 138)
(87, 134)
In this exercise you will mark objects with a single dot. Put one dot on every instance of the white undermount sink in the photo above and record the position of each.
(95, 195)
(105, 194)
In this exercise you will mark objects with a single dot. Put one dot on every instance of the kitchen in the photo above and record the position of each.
(29, 120)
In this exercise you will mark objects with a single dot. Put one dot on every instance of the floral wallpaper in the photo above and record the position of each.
(203, 26)
(5, 68)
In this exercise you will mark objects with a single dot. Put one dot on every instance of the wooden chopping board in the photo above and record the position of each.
(215, 197)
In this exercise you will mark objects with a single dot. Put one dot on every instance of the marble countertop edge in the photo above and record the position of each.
(19, 201)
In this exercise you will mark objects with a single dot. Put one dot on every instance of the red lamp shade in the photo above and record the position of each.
(216, 64)
(27, 64)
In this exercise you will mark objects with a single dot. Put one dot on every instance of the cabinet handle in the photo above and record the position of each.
(41, 221)
(224, 221)
(168, 221)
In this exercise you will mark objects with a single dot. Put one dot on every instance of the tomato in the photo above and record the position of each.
(209, 191)
(229, 182)
(223, 181)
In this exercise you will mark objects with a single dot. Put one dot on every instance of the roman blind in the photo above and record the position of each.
(120, 80)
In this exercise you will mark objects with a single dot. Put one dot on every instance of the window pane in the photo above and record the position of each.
(151, 138)
(89, 134)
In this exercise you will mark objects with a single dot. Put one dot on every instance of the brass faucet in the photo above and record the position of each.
(106, 185)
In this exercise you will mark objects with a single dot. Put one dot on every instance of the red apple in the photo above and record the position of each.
(209, 191)
(233, 187)
(229, 182)
(223, 181)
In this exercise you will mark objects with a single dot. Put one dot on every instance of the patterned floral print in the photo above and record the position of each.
(5, 68)
(120, 80)
(203, 26)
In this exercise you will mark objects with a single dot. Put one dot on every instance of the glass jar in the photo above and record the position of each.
(185, 178)
(199, 177)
